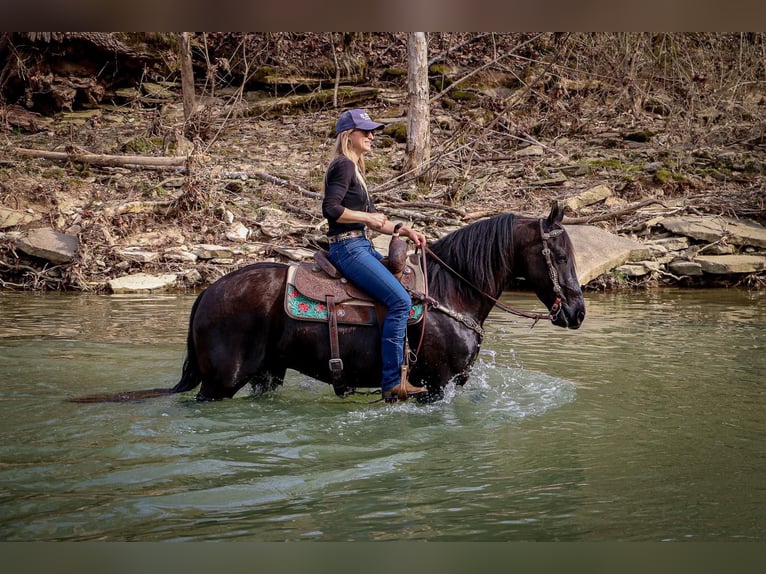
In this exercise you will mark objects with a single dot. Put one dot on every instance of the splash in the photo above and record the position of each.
(512, 392)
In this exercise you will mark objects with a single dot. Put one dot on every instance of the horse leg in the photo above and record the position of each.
(222, 379)
(226, 372)
(267, 380)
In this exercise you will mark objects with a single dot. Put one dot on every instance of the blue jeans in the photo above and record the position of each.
(360, 263)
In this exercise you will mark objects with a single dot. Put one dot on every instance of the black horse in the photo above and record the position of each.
(239, 331)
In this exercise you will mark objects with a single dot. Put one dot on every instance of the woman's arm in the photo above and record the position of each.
(379, 222)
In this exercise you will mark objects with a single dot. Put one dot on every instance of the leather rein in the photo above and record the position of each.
(552, 272)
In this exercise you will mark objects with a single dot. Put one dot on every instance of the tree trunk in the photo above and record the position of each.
(418, 150)
(187, 80)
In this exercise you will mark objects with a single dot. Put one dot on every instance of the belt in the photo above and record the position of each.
(353, 234)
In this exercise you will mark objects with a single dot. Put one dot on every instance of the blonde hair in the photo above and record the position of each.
(341, 150)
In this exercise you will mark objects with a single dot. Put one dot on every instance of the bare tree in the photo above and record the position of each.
(418, 149)
(187, 79)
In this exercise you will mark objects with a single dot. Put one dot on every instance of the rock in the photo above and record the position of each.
(656, 250)
(598, 251)
(142, 283)
(192, 277)
(49, 244)
(653, 166)
(669, 243)
(718, 249)
(633, 270)
(588, 197)
(138, 255)
(237, 232)
(712, 228)
(157, 91)
(295, 253)
(12, 218)
(556, 180)
(276, 223)
(574, 170)
(207, 251)
(179, 254)
(684, 267)
(531, 151)
(155, 239)
(725, 264)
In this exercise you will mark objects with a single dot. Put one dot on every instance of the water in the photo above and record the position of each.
(646, 425)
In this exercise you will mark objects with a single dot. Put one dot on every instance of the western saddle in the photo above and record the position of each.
(320, 281)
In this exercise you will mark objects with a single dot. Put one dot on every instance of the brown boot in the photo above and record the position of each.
(402, 392)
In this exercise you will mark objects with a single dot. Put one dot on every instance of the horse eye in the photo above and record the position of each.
(562, 259)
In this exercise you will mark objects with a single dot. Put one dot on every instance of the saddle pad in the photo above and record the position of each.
(353, 312)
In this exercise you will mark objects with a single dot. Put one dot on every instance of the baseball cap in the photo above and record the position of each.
(355, 119)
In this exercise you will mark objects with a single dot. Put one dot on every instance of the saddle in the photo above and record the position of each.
(317, 291)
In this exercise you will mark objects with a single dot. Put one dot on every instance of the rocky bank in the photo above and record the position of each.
(111, 195)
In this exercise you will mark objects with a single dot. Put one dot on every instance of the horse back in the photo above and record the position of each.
(252, 291)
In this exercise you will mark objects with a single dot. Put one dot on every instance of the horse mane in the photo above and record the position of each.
(481, 252)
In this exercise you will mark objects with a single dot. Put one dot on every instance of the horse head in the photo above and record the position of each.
(549, 262)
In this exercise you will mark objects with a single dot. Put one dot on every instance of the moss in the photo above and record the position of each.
(440, 69)
(612, 163)
(374, 163)
(141, 144)
(394, 73)
(397, 131)
(462, 95)
(626, 171)
(663, 176)
(54, 173)
(617, 277)
(712, 173)
(263, 72)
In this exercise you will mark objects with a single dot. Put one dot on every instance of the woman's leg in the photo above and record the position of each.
(360, 263)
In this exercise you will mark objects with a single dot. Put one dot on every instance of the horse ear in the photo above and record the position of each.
(557, 213)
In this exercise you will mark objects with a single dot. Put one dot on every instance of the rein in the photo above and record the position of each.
(555, 308)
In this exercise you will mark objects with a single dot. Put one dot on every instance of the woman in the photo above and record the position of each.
(350, 211)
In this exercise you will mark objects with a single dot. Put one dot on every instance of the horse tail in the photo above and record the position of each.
(190, 376)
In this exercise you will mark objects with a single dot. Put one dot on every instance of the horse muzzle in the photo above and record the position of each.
(568, 316)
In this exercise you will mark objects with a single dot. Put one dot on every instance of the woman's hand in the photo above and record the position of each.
(376, 221)
(415, 236)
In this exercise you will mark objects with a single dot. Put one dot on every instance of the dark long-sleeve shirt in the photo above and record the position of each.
(344, 190)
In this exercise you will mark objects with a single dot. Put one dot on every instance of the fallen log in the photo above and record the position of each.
(101, 159)
(611, 214)
(346, 96)
(271, 179)
(159, 207)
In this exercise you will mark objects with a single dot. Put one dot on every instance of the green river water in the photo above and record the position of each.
(647, 424)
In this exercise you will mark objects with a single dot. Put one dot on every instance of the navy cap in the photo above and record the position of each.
(355, 119)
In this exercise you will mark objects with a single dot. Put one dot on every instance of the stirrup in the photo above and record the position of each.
(402, 392)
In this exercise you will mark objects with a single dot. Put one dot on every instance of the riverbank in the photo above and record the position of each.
(66, 225)
(114, 189)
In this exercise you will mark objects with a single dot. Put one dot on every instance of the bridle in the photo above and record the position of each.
(552, 271)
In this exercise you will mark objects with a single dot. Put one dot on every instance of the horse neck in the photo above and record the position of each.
(484, 268)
